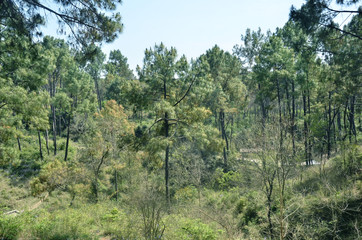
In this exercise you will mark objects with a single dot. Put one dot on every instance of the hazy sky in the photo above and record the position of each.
(192, 26)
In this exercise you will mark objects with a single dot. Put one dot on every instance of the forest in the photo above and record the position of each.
(263, 142)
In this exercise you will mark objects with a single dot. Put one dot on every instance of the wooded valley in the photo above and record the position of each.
(263, 142)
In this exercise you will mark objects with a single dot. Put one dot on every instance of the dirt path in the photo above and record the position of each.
(36, 205)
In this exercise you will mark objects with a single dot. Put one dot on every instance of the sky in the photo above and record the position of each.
(194, 26)
(191, 26)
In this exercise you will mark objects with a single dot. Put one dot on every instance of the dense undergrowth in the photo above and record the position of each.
(318, 204)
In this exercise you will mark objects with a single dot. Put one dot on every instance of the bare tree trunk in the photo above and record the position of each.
(67, 143)
(47, 140)
(231, 130)
(293, 117)
(40, 149)
(263, 110)
(51, 82)
(334, 127)
(352, 126)
(167, 160)
(310, 144)
(60, 126)
(167, 150)
(116, 184)
(345, 117)
(280, 115)
(19, 145)
(224, 137)
(98, 93)
(54, 130)
(305, 130)
(269, 184)
(329, 126)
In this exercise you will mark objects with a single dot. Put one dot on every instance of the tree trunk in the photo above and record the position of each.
(167, 159)
(116, 184)
(67, 143)
(329, 126)
(224, 137)
(60, 126)
(310, 144)
(339, 121)
(54, 130)
(98, 93)
(47, 140)
(269, 190)
(40, 149)
(345, 118)
(231, 130)
(305, 130)
(293, 117)
(263, 110)
(352, 126)
(167, 150)
(280, 116)
(19, 145)
(334, 127)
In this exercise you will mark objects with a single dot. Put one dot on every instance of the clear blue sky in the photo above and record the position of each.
(193, 26)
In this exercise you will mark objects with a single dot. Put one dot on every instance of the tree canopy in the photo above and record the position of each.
(84, 21)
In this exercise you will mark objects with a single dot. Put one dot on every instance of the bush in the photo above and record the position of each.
(10, 227)
(185, 194)
(247, 211)
(228, 180)
(66, 225)
(196, 230)
(119, 225)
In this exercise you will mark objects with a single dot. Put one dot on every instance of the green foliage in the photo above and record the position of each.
(248, 210)
(68, 225)
(118, 224)
(185, 194)
(223, 136)
(350, 161)
(226, 181)
(10, 227)
(196, 230)
(89, 23)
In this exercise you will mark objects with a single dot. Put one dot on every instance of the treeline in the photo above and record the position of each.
(245, 124)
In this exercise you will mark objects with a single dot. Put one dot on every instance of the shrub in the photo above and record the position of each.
(66, 225)
(196, 230)
(186, 194)
(10, 227)
(119, 225)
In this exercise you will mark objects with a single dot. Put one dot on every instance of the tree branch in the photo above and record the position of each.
(102, 160)
(2, 105)
(341, 30)
(158, 120)
(341, 11)
(62, 16)
(185, 93)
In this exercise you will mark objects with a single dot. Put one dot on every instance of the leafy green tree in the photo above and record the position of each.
(248, 52)
(95, 68)
(275, 68)
(122, 85)
(59, 61)
(228, 92)
(250, 47)
(117, 65)
(103, 142)
(168, 83)
(22, 100)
